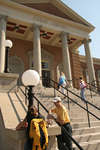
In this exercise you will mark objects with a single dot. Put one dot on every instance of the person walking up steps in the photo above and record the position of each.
(82, 88)
(62, 82)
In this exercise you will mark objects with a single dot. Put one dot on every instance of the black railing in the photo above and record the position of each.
(55, 85)
(69, 98)
(91, 86)
(40, 104)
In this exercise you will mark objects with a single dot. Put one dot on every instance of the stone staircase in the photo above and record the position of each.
(87, 137)
(13, 110)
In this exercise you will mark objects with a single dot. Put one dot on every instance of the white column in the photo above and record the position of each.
(89, 61)
(2, 41)
(58, 73)
(37, 49)
(66, 57)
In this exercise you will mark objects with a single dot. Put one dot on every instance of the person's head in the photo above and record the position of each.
(62, 74)
(57, 101)
(33, 110)
(80, 78)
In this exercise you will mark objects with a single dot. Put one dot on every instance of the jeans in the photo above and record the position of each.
(62, 88)
(82, 93)
(64, 141)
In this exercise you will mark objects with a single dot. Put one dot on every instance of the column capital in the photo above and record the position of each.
(86, 41)
(64, 34)
(75, 51)
(34, 26)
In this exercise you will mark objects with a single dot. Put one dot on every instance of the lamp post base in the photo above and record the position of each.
(6, 70)
(30, 96)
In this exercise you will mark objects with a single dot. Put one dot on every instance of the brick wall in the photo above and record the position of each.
(76, 68)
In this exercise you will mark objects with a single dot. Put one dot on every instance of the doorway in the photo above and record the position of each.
(46, 78)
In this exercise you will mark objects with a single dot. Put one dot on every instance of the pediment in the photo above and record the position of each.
(49, 8)
(56, 8)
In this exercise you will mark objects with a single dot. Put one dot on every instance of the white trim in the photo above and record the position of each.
(43, 14)
(41, 21)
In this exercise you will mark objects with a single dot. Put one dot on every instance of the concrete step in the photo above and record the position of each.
(13, 109)
(86, 130)
(85, 124)
(7, 110)
(87, 137)
(77, 120)
(46, 100)
(92, 145)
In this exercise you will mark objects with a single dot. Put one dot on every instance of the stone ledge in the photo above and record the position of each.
(54, 130)
(9, 75)
(18, 137)
(20, 134)
(8, 81)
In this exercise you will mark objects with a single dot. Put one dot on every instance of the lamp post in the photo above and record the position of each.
(30, 78)
(8, 45)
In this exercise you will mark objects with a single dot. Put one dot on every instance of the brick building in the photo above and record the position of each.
(46, 35)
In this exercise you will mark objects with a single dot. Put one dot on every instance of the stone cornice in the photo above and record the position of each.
(31, 1)
(30, 16)
(70, 12)
(95, 60)
(86, 41)
(40, 14)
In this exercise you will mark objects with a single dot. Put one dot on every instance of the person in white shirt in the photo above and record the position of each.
(82, 88)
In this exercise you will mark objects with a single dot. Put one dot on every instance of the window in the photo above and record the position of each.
(44, 65)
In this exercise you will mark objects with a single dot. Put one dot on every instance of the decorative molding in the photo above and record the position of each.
(86, 41)
(45, 20)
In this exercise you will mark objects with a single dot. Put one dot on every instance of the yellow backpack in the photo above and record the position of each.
(38, 131)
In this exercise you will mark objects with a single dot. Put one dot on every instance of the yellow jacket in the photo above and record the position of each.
(35, 133)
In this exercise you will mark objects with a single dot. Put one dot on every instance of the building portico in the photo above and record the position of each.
(33, 29)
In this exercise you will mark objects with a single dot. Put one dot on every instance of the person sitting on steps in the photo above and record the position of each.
(31, 114)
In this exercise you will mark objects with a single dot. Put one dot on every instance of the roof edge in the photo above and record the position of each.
(59, 3)
(38, 12)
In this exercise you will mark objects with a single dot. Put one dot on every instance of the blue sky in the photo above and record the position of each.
(89, 10)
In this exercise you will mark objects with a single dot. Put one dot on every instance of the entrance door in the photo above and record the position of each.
(46, 78)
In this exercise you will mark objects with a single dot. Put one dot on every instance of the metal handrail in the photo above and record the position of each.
(80, 148)
(87, 102)
(90, 84)
(75, 95)
(94, 89)
(39, 103)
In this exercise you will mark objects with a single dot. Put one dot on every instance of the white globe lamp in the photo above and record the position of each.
(8, 43)
(30, 78)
